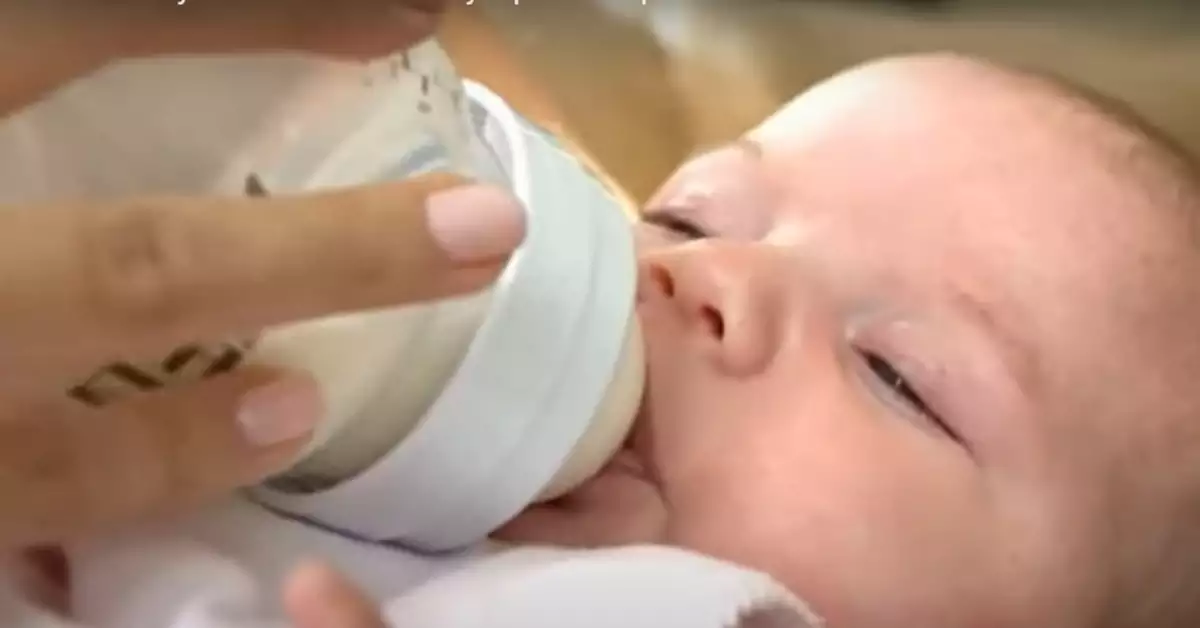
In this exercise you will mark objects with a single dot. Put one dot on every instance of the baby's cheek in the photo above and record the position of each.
(734, 488)
(829, 504)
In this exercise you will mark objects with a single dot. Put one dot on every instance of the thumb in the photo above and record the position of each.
(72, 469)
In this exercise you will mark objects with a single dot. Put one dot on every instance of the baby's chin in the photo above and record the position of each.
(621, 505)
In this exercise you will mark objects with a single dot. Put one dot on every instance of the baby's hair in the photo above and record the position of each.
(1158, 585)
(1132, 149)
(1166, 169)
(1169, 597)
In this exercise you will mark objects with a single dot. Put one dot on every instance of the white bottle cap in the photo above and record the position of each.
(533, 376)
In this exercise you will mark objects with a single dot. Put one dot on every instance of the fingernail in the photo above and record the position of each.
(281, 411)
(476, 223)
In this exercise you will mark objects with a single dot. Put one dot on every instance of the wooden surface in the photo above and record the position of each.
(641, 88)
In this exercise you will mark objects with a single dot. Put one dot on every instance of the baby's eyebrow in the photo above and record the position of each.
(745, 145)
(1017, 353)
(748, 146)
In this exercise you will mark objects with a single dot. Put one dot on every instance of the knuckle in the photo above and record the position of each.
(162, 475)
(183, 472)
(119, 465)
(370, 270)
(140, 439)
(376, 260)
(64, 471)
(184, 454)
(140, 262)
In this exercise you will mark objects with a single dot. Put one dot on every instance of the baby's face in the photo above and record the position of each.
(898, 358)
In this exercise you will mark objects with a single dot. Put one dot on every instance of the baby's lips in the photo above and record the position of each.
(636, 455)
(627, 462)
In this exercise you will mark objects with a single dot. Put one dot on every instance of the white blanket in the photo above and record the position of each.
(224, 569)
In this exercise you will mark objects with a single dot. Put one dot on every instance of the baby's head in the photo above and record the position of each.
(923, 346)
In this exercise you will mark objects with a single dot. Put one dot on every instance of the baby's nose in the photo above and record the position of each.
(724, 292)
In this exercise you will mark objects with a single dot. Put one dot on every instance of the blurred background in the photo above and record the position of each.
(642, 87)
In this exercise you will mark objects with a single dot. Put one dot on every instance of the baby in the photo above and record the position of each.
(921, 347)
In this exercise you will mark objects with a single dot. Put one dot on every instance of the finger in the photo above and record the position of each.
(83, 284)
(71, 469)
(315, 596)
(356, 29)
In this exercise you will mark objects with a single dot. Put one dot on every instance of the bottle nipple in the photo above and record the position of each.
(610, 425)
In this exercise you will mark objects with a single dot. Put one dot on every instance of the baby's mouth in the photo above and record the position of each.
(628, 462)
(622, 504)
(634, 457)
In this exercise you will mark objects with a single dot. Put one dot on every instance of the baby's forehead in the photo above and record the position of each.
(1088, 218)
(950, 104)
(989, 142)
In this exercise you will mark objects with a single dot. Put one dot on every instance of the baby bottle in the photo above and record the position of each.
(446, 419)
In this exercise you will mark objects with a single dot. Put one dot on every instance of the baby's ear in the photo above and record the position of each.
(775, 616)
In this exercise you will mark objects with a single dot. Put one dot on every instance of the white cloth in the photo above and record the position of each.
(223, 569)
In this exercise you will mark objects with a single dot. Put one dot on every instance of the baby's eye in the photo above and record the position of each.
(676, 225)
(895, 382)
(892, 378)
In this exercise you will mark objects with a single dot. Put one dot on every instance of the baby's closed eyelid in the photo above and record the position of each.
(732, 212)
(961, 375)
(677, 223)
(900, 342)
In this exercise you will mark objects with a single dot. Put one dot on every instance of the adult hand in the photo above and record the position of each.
(83, 285)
